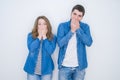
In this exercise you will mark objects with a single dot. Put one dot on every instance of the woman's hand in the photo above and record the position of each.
(42, 33)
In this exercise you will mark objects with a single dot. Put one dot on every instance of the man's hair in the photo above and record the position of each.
(79, 8)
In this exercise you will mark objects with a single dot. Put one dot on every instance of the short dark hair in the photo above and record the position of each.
(79, 8)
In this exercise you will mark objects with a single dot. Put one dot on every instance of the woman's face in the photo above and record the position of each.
(42, 25)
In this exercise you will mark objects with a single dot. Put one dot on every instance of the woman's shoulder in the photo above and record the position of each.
(54, 37)
(30, 35)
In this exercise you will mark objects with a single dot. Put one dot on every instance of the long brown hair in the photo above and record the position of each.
(35, 27)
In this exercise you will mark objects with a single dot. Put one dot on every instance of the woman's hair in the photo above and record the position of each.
(35, 28)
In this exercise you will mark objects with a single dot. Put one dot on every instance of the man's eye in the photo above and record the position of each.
(74, 13)
(80, 15)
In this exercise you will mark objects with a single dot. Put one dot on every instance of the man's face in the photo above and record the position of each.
(76, 15)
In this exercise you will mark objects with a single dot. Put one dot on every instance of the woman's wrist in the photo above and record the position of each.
(44, 37)
(39, 37)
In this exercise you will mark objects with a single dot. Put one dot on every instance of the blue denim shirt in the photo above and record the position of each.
(83, 39)
(48, 48)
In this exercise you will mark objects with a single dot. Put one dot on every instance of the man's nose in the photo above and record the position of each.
(75, 17)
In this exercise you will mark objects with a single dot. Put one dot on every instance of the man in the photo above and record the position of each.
(73, 36)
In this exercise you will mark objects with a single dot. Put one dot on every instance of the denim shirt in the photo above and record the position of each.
(83, 39)
(48, 47)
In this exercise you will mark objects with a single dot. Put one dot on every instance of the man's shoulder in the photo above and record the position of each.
(84, 25)
(67, 23)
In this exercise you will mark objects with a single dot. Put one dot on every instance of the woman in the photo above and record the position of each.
(41, 44)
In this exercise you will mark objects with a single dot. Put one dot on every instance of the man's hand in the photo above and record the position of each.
(74, 25)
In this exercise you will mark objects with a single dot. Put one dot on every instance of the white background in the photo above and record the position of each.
(16, 21)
